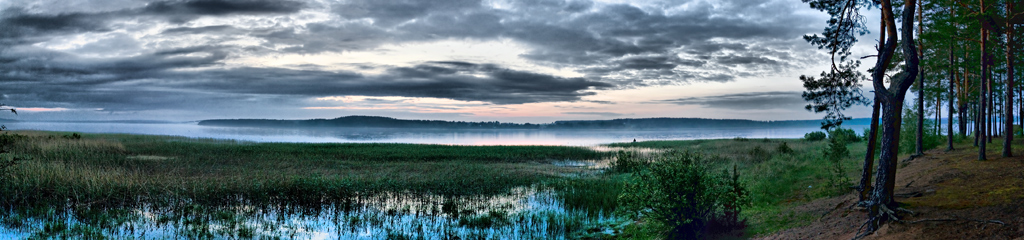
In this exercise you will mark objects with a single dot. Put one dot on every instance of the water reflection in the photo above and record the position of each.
(428, 136)
(522, 213)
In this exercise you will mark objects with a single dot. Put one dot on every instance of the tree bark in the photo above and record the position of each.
(965, 109)
(869, 157)
(938, 113)
(988, 91)
(976, 120)
(949, 120)
(981, 134)
(1008, 107)
(892, 106)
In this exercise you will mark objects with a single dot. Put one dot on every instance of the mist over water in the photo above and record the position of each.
(581, 137)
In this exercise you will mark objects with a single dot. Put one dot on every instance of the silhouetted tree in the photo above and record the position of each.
(839, 88)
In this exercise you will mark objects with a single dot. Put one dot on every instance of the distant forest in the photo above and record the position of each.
(623, 123)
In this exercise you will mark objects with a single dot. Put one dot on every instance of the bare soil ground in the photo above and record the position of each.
(953, 196)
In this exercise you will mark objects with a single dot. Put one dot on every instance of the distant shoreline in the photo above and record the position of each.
(622, 123)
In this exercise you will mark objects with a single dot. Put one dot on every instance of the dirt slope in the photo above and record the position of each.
(953, 195)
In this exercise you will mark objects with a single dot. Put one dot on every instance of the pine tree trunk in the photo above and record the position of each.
(965, 102)
(949, 120)
(938, 114)
(976, 122)
(892, 106)
(869, 157)
(990, 111)
(981, 134)
(1008, 118)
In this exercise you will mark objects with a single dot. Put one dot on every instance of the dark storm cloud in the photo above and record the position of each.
(318, 38)
(389, 13)
(627, 45)
(184, 11)
(744, 101)
(733, 59)
(72, 22)
(53, 67)
(18, 27)
(156, 80)
(468, 82)
(222, 7)
(186, 63)
(199, 30)
(643, 63)
(22, 27)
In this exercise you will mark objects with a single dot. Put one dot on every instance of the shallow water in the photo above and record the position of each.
(426, 136)
(522, 213)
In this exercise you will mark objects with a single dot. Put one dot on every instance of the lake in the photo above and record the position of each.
(585, 137)
(536, 211)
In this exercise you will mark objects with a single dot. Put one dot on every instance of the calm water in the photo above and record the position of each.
(431, 136)
(522, 213)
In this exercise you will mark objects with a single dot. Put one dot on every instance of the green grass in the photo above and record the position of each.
(594, 194)
(117, 169)
(120, 169)
(777, 179)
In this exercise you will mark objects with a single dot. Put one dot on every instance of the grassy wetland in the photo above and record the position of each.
(153, 187)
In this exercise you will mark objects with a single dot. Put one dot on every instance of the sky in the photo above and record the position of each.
(471, 60)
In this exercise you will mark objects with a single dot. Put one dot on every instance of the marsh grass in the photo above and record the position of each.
(200, 188)
(118, 169)
(117, 185)
(596, 195)
(524, 213)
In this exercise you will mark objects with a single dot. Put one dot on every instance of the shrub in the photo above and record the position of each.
(834, 154)
(759, 154)
(678, 192)
(908, 133)
(783, 148)
(627, 162)
(844, 134)
(73, 136)
(814, 136)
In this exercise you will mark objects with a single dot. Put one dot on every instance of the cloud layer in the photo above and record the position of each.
(201, 55)
(744, 101)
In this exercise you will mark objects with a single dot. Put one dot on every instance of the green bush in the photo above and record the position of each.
(815, 136)
(627, 162)
(834, 153)
(783, 148)
(844, 134)
(680, 193)
(759, 154)
(908, 133)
